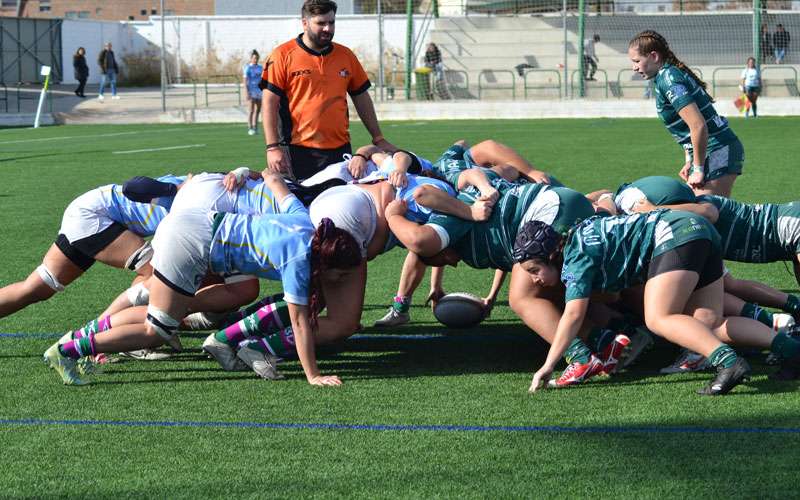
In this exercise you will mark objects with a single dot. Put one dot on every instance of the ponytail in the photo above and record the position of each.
(651, 41)
(331, 248)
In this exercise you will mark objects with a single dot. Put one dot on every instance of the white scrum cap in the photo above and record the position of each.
(351, 209)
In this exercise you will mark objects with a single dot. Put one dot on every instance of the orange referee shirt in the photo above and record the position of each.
(312, 87)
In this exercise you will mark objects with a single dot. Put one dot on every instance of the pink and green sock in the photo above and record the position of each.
(401, 303)
(98, 325)
(280, 344)
(78, 347)
(264, 321)
(239, 315)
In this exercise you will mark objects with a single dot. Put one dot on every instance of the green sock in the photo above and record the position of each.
(401, 303)
(599, 338)
(792, 305)
(578, 352)
(785, 346)
(757, 313)
(724, 356)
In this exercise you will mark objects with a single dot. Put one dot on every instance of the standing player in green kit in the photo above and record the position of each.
(714, 155)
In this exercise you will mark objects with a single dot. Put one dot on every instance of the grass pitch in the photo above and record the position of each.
(423, 412)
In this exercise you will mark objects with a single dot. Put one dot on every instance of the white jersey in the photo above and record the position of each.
(205, 192)
(751, 77)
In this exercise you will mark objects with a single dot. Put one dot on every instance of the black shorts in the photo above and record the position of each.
(82, 252)
(696, 255)
(308, 161)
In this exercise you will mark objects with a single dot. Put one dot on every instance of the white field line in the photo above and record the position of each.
(132, 151)
(115, 134)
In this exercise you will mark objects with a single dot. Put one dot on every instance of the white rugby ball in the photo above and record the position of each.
(459, 310)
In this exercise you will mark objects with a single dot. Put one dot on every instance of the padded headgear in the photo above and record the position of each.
(535, 240)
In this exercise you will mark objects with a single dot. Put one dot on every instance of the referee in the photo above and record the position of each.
(305, 109)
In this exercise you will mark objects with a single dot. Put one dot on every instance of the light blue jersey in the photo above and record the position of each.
(271, 246)
(140, 218)
(255, 198)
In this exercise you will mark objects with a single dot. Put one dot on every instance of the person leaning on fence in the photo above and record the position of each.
(305, 109)
(109, 68)
(590, 58)
(81, 70)
(433, 60)
(780, 39)
(252, 77)
(751, 85)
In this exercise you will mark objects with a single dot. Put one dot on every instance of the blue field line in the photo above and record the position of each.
(363, 336)
(412, 428)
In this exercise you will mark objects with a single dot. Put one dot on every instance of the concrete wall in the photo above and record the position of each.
(270, 7)
(228, 38)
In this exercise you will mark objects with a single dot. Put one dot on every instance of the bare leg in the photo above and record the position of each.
(24, 293)
(411, 275)
(665, 300)
(706, 304)
(754, 291)
(225, 297)
(538, 307)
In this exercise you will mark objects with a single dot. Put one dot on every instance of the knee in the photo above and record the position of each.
(708, 317)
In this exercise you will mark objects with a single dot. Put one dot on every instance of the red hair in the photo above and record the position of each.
(331, 248)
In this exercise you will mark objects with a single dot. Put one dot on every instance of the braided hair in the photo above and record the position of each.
(331, 248)
(651, 41)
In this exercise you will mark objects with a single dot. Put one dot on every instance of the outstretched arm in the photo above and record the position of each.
(436, 199)
(707, 210)
(568, 328)
(304, 341)
(494, 153)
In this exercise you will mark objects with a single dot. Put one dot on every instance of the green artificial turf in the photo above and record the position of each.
(636, 435)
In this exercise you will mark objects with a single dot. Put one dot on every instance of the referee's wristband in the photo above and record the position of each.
(273, 145)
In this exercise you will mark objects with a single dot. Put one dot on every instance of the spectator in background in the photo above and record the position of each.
(81, 70)
(751, 85)
(765, 43)
(252, 77)
(781, 41)
(433, 60)
(108, 65)
(590, 58)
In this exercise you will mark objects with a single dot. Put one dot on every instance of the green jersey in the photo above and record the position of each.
(452, 163)
(657, 189)
(675, 90)
(762, 232)
(614, 253)
(490, 244)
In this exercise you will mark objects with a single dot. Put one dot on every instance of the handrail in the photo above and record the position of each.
(497, 86)
(541, 86)
(714, 77)
(460, 72)
(572, 81)
(778, 67)
(5, 95)
(193, 93)
(640, 84)
(237, 86)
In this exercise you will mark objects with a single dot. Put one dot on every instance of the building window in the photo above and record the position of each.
(44, 5)
(70, 14)
(8, 3)
(153, 12)
(131, 18)
(169, 12)
(98, 11)
(143, 12)
(84, 14)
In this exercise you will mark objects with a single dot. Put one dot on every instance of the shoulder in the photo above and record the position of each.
(283, 50)
(344, 51)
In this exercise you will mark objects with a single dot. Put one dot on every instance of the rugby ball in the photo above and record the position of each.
(459, 310)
